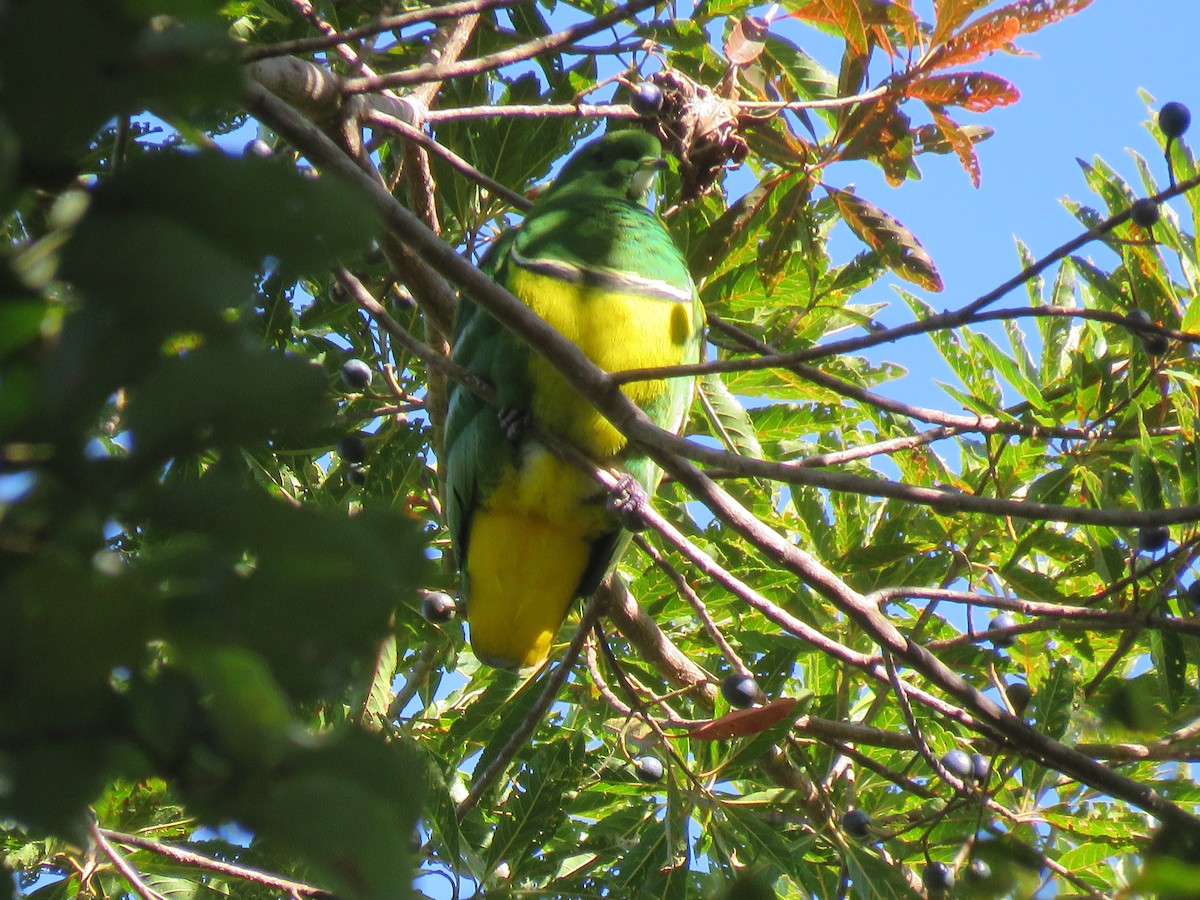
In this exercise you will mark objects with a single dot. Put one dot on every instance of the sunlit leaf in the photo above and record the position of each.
(976, 91)
(900, 249)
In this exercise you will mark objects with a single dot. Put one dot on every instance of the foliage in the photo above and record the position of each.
(211, 647)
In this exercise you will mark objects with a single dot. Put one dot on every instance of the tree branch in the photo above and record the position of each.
(192, 858)
(445, 12)
(528, 50)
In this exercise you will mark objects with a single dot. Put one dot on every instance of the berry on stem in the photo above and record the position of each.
(938, 878)
(1019, 695)
(356, 374)
(857, 824)
(648, 769)
(1193, 593)
(1144, 212)
(979, 869)
(258, 147)
(742, 691)
(1001, 621)
(981, 767)
(647, 99)
(957, 763)
(352, 448)
(1153, 538)
(438, 607)
(1156, 344)
(1174, 119)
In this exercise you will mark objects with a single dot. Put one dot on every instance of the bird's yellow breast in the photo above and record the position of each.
(616, 330)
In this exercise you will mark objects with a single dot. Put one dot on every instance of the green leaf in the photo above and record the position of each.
(347, 807)
(728, 418)
(790, 227)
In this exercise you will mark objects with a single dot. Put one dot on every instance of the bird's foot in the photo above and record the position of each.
(627, 501)
(513, 422)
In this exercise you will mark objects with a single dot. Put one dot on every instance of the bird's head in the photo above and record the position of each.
(622, 164)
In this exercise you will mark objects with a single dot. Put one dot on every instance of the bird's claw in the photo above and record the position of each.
(627, 501)
(513, 422)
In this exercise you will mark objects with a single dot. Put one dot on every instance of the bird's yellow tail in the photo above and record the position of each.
(523, 573)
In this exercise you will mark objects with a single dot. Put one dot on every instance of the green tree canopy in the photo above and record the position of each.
(866, 648)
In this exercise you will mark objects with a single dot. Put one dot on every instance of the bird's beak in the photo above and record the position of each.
(643, 178)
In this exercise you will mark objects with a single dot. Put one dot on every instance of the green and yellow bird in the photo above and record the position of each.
(533, 532)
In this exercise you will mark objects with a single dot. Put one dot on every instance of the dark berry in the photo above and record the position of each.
(356, 475)
(647, 99)
(742, 692)
(648, 769)
(1019, 695)
(1153, 538)
(1193, 593)
(258, 147)
(356, 374)
(374, 254)
(857, 824)
(438, 607)
(938, 877)
(1156, 344)
(979, 870)
(352, 448)
(981, 767)
(957, 763)
(998, 622)
(755, 28)
(1174, 119)
(1144, 212)
(1139, 317)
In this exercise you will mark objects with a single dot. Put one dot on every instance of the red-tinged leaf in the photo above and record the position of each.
(742, 722)
(881, 132)
(949, 14)
(1034, 15)
(974, 42)
(897, 246)
(899, 15)
(745, 42)
(959, 142)
(844, 15)
(976, 91)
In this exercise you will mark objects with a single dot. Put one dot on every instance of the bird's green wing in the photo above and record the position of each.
(476, 451)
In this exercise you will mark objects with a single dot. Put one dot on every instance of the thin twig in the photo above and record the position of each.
(527, 50)
(417, 136)
(940, 322)
(695, 602)
(533, 111)
(446, 11)
(192, 858)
